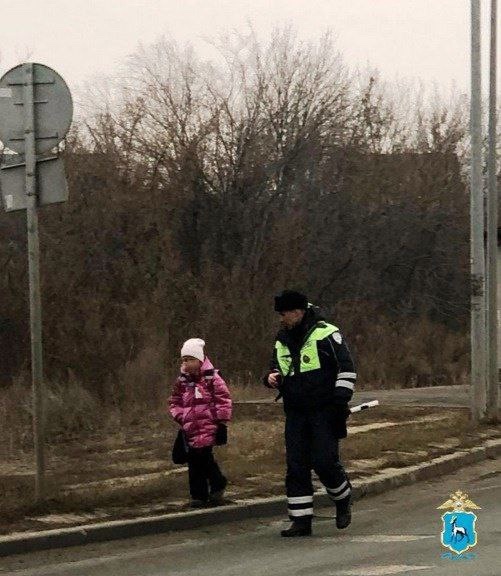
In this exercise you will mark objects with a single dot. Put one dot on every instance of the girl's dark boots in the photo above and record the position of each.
(216, 497)
(343, 512)
(299, 527)
(194, 503)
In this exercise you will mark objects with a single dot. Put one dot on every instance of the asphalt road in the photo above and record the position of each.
(429, 396)
(394, 533)
(457, 396)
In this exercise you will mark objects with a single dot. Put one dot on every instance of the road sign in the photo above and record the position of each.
(53, 108)
(51, 183)
(35, 114)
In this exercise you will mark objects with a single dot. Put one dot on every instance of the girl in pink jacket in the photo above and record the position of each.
(201, 404)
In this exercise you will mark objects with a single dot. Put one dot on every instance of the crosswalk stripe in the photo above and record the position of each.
(381, 570)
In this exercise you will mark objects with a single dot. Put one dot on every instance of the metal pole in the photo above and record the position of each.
(478, 315)
(34, 280)
(492, 249)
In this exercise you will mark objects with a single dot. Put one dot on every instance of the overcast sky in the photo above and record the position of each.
(408, 39)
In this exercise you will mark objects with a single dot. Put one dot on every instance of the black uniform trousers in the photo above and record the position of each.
(312, 444)
(204, 473)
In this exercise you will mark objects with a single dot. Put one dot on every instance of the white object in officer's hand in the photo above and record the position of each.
(364, 406)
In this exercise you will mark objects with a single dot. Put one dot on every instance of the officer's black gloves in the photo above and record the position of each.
(340, 414)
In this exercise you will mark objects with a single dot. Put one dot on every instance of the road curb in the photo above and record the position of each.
(261, 508)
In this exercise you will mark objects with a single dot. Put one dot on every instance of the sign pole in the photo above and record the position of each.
(478, 298)
(493, 371)
(34, 281)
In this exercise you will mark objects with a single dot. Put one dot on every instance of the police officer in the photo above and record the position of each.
(313, 370)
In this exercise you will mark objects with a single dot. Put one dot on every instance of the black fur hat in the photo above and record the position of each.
(290, 300)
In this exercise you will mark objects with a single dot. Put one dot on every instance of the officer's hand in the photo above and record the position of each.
(340, 413)
(273, 379)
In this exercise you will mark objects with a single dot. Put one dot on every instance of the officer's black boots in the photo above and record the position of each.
(299, 527)
(343, 512)
(302, 526)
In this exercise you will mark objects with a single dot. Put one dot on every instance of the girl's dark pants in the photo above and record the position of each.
(204, 474)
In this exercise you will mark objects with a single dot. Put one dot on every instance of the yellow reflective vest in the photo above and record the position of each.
(309, 356)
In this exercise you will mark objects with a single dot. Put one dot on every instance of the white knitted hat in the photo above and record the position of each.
(194, 347)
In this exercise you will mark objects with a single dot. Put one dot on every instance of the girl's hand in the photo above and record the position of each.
(221, 434)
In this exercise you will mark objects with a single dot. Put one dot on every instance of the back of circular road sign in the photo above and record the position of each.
(52, 102)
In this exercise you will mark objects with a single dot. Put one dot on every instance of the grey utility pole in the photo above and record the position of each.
(35, 114)
(478, 312)
(34, 281)
(492, 248)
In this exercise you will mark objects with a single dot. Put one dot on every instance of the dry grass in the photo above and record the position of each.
(245, 392)
(71, 411)
(408, 354)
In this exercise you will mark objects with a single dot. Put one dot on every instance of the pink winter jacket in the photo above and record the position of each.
(198, 406)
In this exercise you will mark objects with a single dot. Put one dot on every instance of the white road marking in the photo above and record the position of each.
(357, 429)
(382, 538)
(331, 517)
(496, 487)
(382, 570)
(365, 510)
(66, 567)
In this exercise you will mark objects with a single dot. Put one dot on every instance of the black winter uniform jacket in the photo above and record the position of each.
(332, 384)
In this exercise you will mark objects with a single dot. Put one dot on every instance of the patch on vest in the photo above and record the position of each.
(337, 337)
